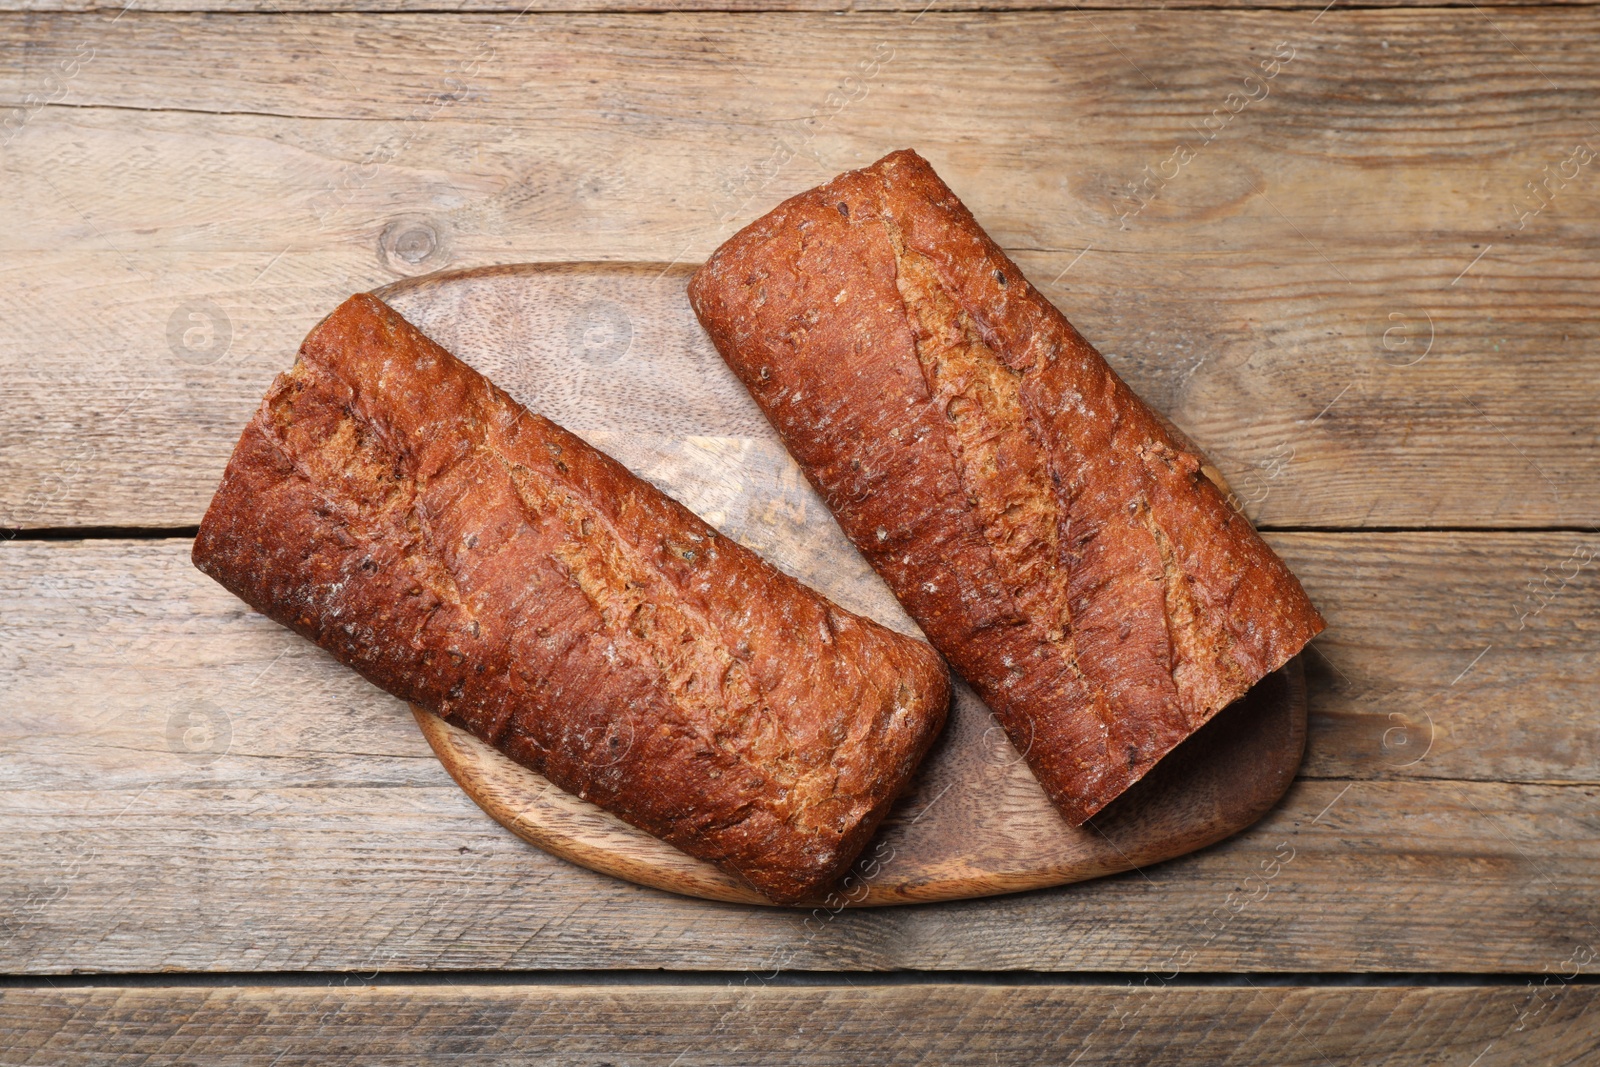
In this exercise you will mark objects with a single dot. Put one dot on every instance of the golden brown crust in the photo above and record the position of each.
(394, 506)
(1049, 534)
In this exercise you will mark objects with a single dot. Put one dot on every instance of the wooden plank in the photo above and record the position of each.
(1488, 637)
(223, 870)
(481, 65)
(947, 1024)
(1274, 296)
(909, 8)
(1452, 655)
(184, 785)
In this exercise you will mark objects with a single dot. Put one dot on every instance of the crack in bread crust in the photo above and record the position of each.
(1005, 472)
(709, 687)
(998, 459)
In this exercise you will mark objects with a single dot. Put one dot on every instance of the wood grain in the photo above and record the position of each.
(908, 8)
(185, 785)
(1499, 1026)
(1271, 297)
(1453, 655)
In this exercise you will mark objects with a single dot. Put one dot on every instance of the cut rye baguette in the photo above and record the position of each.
(395, 507)
(1047, 531)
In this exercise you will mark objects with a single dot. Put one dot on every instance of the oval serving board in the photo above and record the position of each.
(612, 352)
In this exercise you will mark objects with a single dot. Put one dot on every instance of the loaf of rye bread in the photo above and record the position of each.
(395, 507)
(1052, 537)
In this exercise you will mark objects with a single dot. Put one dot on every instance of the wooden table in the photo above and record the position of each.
(1352, 251)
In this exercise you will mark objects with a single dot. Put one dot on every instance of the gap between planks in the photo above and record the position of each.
(788, 979)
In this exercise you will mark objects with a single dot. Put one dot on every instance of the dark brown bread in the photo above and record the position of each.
(395, 507)
(1049, 534)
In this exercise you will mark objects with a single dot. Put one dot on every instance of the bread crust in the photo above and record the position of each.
(1053, 539)
(395, 507)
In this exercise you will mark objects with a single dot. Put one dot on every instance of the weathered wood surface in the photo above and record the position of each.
(228, 870)
(1305, 296)
(185, 785)
(1544, 1023)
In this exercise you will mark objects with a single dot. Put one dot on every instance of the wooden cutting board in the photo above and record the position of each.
(613, 352)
